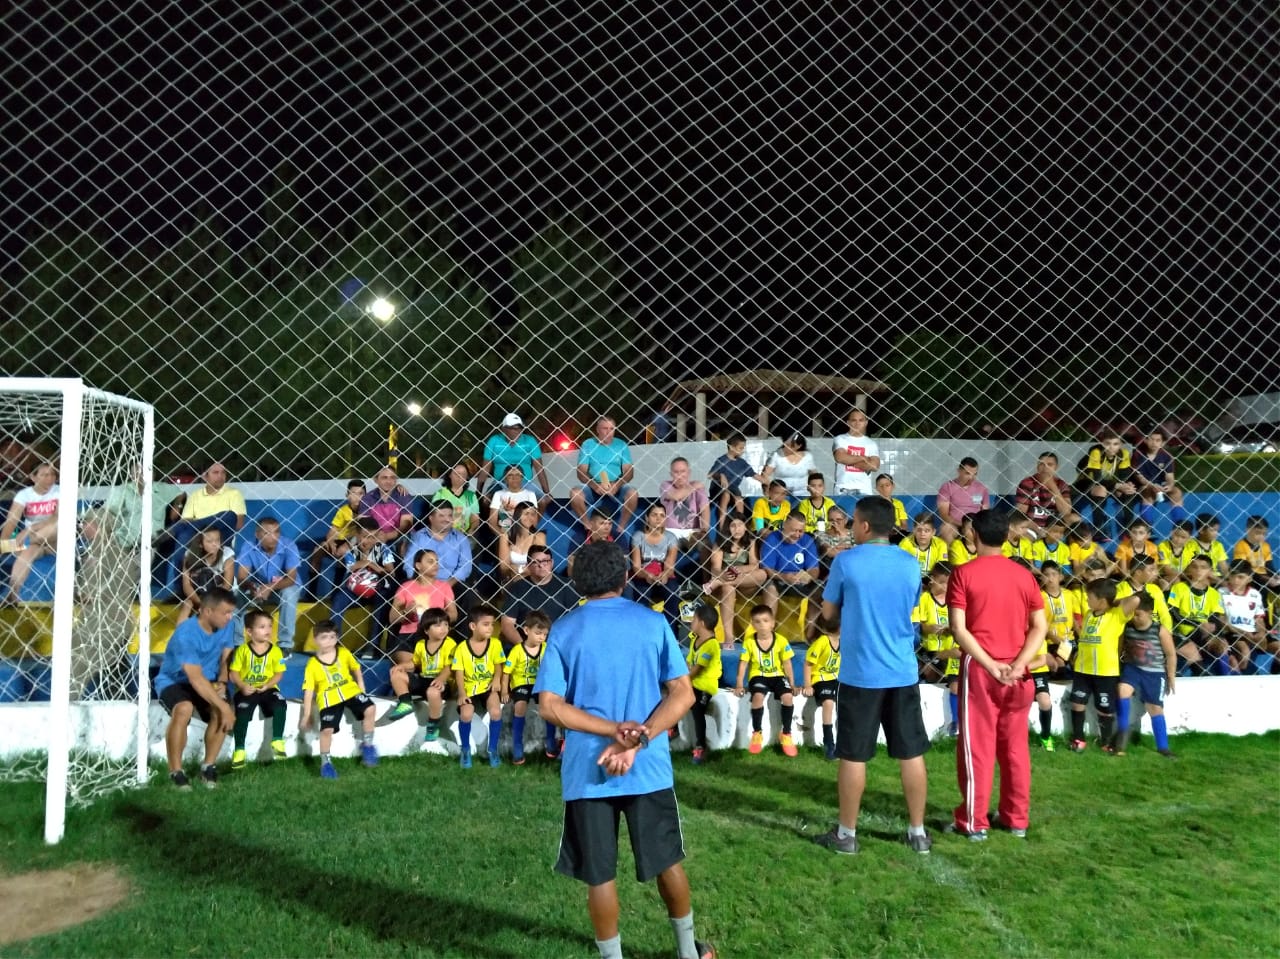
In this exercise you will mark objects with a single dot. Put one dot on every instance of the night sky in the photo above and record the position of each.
(791, 187)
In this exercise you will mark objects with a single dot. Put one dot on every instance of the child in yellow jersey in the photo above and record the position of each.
(705, 670)
(1206, 544)
(1138, 544)
(927, 550)
(901, 527)
(1062, 611)
(1083, 548)
(256, 670)
(1257, 551)
(1169, 553)
(770, 511)
(1022, 539)
(938, 653)
(334, 684)
(814, 507)
(476, 666)
(1142, 579)
(821, 680)
(965, 546)
(1052, 548)
(1196, 608)
(519, 673)
(1097, 664)
(427, 676)
(767, 656)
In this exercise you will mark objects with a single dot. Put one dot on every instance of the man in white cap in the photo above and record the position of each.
(512, 446)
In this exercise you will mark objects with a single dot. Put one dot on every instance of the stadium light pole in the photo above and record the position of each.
(383, 312)
(415, 410)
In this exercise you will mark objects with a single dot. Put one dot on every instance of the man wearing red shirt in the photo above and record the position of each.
(1043, 495)
(997, 619)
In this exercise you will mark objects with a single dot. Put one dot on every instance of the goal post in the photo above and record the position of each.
(98, 441)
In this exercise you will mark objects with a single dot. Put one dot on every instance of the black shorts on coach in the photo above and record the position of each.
(185, 693)
(861, 712)
(589, 843)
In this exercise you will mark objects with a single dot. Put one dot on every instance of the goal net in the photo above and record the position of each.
(73, 689)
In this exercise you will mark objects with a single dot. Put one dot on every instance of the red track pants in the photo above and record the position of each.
(993, 728)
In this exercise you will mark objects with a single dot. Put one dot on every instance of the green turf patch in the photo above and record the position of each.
(1131, 856)
(1230, 473)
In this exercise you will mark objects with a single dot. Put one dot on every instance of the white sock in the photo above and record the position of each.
(686, 948)
(915, 830)
(844, 832)
(610, 948)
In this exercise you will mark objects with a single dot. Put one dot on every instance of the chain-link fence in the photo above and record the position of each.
(317, 237)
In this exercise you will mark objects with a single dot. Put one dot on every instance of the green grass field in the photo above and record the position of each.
(1132, 856)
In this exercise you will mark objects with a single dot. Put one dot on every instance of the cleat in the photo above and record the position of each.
(464, 760)
(238, 760)
(553, 749)
(953, 730)
(327, 771)
(1046, 743)
(1107, 748)
(705, 950)
(848, 846)
(277, 748)
(698, 756)
(180, 781)
(1167, 753)
(517, 754)
(398, 711)
(757, 743)
(829, 751)
(432, 733)
(921, 844)
(1078, 745)
(788, 745)
(368, 755)
(494, 760)
(209, 776)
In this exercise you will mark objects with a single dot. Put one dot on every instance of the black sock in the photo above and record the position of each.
(787, 713)
(1106, 727)
(757, 718)
(1046, 723)
(1077, 724)
(406, 698)
(828, 735)
(700, 725)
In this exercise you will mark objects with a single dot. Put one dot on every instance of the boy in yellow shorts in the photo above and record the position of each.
(257, 666)
(428, 675)
(705, 670)
(821, 680)
(766, 667)
(333, 684)
(519, 673)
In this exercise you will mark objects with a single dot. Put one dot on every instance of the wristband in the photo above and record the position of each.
(643, 741)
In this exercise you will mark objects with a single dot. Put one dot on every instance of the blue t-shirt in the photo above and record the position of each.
(190, 644)
(263, 568)
(521, 453)
(735, 471)
(783, 557)
(598, 458)
(876, 586)
(610, 657)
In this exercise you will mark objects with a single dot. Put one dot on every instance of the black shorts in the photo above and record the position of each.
(185, 693)
(418, 685)
(331, 716)
(522, 694)
(589, 842)
(480, 701)
(1101, 688)
(702, 699)
(824, 691)
(860, 713)
(777, 685)
(268, 701)
(1041, 681)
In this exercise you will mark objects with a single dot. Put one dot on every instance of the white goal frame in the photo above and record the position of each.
(73, 393)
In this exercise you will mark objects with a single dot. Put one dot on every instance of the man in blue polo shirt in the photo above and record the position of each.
(603, 675)
(193, 681)
(604, 470)
(267, 571)
(789, 558)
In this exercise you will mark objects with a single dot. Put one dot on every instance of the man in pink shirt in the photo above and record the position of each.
(961, 497)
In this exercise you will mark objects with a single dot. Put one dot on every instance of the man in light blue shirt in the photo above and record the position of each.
(604, 470)
(267, 571)
(606, 666)
(872, 592)
(452, 549)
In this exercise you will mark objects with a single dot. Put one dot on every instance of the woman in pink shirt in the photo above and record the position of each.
(424, 591)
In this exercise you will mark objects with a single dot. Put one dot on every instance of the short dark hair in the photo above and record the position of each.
(969, 462)
(216, 596)
(1256, 522)
(941, 568)
(267, 521)
(537, 549)
(352, 484)
(1047, 455)
(366, 524)
(1205, 520)
(599, 568)
(991, 527)
(815, 475)
(924, 518)
(1240, 566)
(1146, 602)
(883, 476)
(323, 627)
(761, 609)
(536, 617)
(1141, 562)
(430, 617)
(1156, 431)
(777, 484)
(706, 615)
(1050, 565)
(252, 616)
(421, 553)
(1185, 525)
(1139, 522)
(734, 439)
(1103, 589)
(479, 611)
(876, 512)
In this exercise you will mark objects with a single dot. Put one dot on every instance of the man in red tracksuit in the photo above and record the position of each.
(997, 619)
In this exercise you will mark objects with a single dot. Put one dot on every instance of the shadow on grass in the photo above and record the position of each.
(413, 919)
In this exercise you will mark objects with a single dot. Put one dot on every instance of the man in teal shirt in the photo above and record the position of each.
(512, 446)
(604, 470)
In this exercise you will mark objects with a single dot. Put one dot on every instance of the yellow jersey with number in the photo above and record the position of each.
(766, 662)
(429, 664)
(933, 611)
(334, 682)
(479, 670)
(1061, 611)
(706, 654)
(1098, 649)
(823, 660)
(256, 670)
(1161, 611)
(522, 665)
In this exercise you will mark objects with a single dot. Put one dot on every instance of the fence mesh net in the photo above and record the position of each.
(998, 231)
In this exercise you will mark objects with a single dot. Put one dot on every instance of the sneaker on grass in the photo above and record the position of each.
(398, 711)
(277, 748)
(997, 824)
(979, 835)
(432, 733)
(494, 760)
(698, 755)
(757, 744)
(464, 760)
(209, 776)
(327, 771)
(1046, 743)
(238, 759)
(180, 780)
(1078, 745)
(788, 745)
(369, 755)
(848, 846)
(829, 752)
(705, 950)
(921, 844)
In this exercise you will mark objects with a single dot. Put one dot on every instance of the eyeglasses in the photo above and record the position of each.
(540, 562)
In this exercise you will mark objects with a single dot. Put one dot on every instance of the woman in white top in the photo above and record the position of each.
(791, 463)
(515, 541)
(31, 528)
